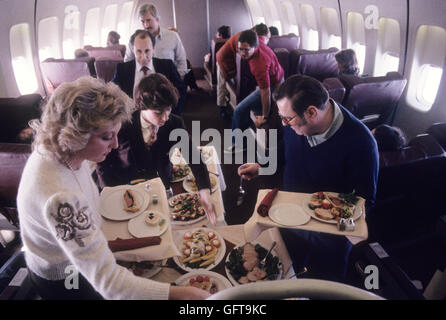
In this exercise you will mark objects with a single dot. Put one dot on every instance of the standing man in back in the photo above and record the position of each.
(168, 43)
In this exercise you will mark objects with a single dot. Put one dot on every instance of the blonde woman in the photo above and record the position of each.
(58, 201)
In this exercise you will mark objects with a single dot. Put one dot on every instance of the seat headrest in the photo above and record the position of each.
(319, 64)
(58, 71)
(289, 42)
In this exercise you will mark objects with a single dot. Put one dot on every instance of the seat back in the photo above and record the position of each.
(109, 52)
(290, 42)
(105, 68)
(335, 88)
(58, 71)
(13, 157)
(15, 113)
(438, 131)
(373, 99)
(317, 64)
(283, 55)
(411, 168)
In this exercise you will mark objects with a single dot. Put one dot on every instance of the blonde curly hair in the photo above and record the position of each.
(74, 110)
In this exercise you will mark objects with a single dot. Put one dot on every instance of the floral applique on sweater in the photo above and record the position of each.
(72, 222)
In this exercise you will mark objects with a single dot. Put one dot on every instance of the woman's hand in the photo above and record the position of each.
(208, 205)
(248, 171)
(187, 293)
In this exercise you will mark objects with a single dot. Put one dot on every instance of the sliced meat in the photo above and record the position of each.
(250, 264)
(256, 274)
(324, 214)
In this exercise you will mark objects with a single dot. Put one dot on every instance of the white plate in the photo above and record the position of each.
(220, 281)
(179, 243)
(356, 213)
(273, 253)
(140, 229)
(188, 185)
(146, 273)
(288, 214)
(182, 223)
(112, 203)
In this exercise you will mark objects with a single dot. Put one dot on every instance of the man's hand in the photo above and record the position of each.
(208, 205)
(260, 121)
(248, 171)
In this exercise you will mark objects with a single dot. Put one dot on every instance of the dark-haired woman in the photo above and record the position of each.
(144, 145)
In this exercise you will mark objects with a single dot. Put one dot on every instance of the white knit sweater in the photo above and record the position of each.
(61, 226)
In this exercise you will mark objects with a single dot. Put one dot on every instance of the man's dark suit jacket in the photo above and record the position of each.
(132, 160)
(125, 78)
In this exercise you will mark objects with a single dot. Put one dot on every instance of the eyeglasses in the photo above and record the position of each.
(286, 120)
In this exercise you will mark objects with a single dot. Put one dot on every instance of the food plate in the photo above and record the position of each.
(183, 207)
(196, 241)
(112, 203)
(180, 172)
(216, 282)
(139, 228)
(288, 214)
(145, 269)
(234, 263)
(356, 209)
(190, 186)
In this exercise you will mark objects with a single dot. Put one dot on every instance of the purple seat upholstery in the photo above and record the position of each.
(407, 199)
(283, 55)
(211, 67)
(58, 71)
(335, 88)
(13, 157)
(15, 113)
(438, 131)
(109, 52)
(373, 99)
(317, 64)
(105, 68)
(290, 42)
(408, 167)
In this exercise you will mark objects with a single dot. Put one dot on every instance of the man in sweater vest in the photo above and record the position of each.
(325, 149)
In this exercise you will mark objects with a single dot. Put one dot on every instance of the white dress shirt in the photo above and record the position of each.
(139, 74)
(168, 46)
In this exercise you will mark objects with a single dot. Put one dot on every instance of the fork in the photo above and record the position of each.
(263, 261)
(241, 193)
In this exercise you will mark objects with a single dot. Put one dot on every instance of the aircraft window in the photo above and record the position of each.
(22, 58)
(430, 77)
(356, 36)
(388, 47)
(71, 40)
(310, 35)
(290, 17)
(330, 29)
(92, 27)
(109, 23)
(256, 12)
(49, 38)
(125, 17)
(427, 67)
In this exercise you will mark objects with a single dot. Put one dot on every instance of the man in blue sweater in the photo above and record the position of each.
(325, 149)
